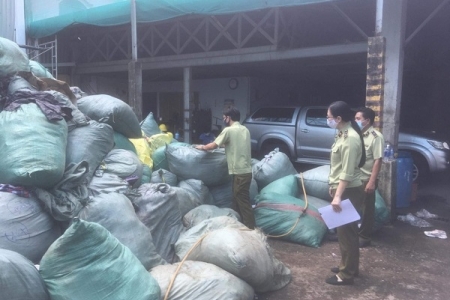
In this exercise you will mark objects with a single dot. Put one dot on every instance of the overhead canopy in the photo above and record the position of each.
(46, 17)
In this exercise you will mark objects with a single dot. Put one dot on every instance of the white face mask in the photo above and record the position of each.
(361, 126)
(332, 123)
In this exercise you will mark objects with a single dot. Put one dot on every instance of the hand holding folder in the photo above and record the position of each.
(335, 219)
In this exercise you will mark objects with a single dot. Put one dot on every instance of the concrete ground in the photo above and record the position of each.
(402, 262)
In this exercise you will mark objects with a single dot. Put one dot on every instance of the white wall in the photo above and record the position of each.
(212, 93)
(12, 20)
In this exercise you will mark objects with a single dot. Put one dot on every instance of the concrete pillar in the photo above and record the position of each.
(375, 78)
(135, 87)
(187, 80)
(393, 30)
(384, 85)
(134, 69)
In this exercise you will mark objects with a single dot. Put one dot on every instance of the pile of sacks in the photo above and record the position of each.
(87, 211)
(86, 192)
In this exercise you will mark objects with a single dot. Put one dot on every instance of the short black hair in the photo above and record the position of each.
(233, 113)
(367, 113)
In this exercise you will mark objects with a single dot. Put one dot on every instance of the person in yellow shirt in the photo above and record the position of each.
(236, 139)
(374, 145)
(347, 156)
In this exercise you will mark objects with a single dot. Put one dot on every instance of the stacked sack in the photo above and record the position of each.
(86, 191)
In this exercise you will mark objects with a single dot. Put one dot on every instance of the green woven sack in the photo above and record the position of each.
(89, 263)
(33, 149)
(381, 212)
(159, 159)
(149, 125)
(112, 111)
(287, 185)
(121, 142)
(277, 214)
(12, 58)
(146, 174)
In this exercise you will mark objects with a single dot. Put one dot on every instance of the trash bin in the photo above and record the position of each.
(404, 179)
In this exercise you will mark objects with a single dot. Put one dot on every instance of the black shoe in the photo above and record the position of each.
(335, 280)
(336, 270)
(364, 243)
(333, 237)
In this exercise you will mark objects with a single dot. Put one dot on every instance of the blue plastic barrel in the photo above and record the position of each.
(404, 179)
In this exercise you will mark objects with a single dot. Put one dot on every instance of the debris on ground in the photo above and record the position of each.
(413, 220)
(441, 234)
(425, 214)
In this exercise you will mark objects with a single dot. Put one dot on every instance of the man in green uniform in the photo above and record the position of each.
(236, 139)
(374, 145)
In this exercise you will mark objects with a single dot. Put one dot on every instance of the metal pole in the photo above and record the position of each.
(133, 31)
(187, 77)
(379, 17)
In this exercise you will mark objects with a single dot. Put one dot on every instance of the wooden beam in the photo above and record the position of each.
(257, 54)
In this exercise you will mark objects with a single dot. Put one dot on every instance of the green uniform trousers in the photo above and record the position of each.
(241, 198)
(368, 215)
(348, 237)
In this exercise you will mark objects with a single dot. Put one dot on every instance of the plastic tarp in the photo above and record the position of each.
(46, 17)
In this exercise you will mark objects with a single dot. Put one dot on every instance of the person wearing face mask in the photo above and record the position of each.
(374, 144)
(236, 139)
(347, 156)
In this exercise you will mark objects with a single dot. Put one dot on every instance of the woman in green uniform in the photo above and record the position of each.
(347, 156)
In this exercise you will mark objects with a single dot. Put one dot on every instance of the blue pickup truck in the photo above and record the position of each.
(302, 133)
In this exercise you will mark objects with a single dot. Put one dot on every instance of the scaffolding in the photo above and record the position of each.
(45, 52)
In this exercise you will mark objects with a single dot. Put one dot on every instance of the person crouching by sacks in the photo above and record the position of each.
(236, 139)
(347, 156)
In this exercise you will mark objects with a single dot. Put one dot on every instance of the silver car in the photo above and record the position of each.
(303, 134)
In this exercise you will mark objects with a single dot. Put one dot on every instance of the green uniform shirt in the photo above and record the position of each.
(236, 139)
(374, 144)
(345, 156)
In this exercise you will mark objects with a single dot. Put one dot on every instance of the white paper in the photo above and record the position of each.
(334, 219)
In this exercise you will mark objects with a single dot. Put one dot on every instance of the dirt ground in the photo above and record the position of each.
(402, 262)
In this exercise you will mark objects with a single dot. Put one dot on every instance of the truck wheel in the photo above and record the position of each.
(420, 168)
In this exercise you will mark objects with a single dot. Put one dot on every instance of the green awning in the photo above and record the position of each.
(46, 17)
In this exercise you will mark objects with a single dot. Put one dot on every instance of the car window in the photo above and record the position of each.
(316, 117)
(274, 114)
